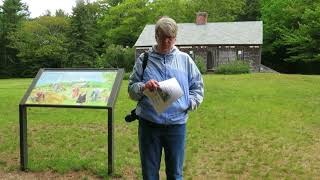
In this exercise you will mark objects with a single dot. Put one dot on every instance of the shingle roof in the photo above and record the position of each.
(222, 33)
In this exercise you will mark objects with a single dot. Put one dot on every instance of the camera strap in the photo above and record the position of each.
(131, 117)
(144, 62)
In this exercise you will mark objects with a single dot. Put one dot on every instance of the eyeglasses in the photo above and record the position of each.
(166, 38)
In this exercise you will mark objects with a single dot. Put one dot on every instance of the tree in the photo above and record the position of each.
(303, 43)
(41, 42)
(251, 11)
(220, 10)
(84, 35)
(1, 31)
(124, 23)
(61, 13)
(182, 11)
(282, 21)
(113, 2)
(115, 56)
(47, 12)
(13, 13)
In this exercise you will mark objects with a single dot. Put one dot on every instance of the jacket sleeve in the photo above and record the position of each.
(196, 89)
(136, 84)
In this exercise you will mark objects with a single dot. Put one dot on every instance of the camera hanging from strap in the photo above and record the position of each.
(133, 116)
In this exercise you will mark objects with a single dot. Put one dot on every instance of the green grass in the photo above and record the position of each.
(249, 126)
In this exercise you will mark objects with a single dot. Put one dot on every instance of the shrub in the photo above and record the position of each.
(116, 56)
(126, 75)
(200, 64)
(234, 67)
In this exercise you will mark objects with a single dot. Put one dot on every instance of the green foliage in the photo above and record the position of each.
(251, 11)
(200, 64)
(234, 67)
(184, 11)
(126, 75)
(123, 23)
(61, 13)
(12, 15)
(41, 43)
(169, 8)
(218, 10)
(303, 43)
(113, 2)
(290, 32)
(84, 35)
(115, 56)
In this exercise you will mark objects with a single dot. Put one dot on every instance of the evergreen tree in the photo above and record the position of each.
(61, 13)
(290, 34)
(303, 43)
(13, 13)
(84, 35)
(251, 11)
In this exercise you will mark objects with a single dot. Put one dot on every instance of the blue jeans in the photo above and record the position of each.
(152, 138)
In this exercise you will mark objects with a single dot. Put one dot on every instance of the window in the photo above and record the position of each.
(183, 47)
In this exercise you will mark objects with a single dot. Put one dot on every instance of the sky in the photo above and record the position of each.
(55, 77)
(38, 7)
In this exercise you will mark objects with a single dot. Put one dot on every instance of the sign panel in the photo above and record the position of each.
(72, 87)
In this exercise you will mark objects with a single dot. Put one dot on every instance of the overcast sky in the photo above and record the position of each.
(38, 7)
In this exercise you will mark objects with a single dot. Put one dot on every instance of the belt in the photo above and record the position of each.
(156, 125)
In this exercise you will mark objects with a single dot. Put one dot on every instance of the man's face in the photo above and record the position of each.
(165, 43)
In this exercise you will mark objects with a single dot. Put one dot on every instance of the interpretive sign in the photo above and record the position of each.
(71, 88)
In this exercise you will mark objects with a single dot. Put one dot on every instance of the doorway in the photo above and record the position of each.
(210, 62)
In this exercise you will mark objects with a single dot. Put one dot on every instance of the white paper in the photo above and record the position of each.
(168, 92)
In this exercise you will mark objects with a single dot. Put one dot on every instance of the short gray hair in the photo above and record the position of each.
(166, 27)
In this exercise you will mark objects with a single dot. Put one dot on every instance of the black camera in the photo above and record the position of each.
(131, 117)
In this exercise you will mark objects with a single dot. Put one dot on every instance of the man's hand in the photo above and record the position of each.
(151, 85)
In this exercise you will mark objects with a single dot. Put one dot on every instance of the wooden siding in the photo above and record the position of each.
(214, 56)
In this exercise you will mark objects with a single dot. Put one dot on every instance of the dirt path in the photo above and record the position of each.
(19, 175)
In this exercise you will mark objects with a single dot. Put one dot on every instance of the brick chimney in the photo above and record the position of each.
(202, 18)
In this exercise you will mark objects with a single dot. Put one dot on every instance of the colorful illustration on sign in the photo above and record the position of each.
(90, 88)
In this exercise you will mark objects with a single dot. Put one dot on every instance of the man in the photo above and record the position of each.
(168, 129)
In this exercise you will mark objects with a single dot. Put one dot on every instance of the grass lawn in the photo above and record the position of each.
(249, 126)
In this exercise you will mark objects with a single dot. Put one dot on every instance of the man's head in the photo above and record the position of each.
(165, 34)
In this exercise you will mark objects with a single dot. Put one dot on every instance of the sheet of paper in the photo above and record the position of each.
(168, 92)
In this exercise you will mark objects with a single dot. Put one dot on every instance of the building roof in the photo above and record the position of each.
(221, 33)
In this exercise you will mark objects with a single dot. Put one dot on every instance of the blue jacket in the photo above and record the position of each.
(161, 67)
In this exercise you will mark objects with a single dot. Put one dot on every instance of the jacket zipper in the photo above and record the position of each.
(165, 74)
(165, 70)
